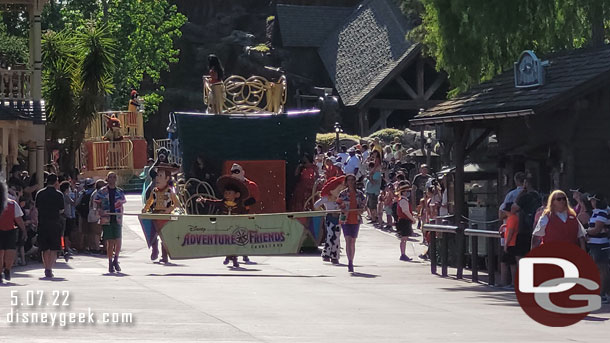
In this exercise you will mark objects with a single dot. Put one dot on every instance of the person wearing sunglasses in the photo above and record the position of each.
(598, 242)
(558, 223)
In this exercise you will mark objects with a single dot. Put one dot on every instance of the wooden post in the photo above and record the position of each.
(491, 260)
(459, 249)
(444, 253)
(432, 252)
(474, 242)
(461, 133)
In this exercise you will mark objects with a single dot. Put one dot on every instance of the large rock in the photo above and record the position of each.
(240, 38)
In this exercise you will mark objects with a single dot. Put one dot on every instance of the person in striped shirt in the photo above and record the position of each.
(598, 243)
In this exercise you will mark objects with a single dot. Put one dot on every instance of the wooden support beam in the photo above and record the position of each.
(396, 104)
(478, 141)
(382, 122)
(420, 78)
(405, 86)
(461, 133)
(435, 86)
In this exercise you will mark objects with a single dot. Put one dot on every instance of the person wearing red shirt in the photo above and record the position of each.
(238, 172)
(11, 215)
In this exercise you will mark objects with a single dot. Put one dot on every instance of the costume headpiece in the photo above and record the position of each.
(226, 180)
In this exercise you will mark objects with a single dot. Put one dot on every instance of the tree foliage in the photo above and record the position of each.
(144, 30)
(474, 40)
(79, 65)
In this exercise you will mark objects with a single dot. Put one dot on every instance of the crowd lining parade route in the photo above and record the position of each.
(278, 299)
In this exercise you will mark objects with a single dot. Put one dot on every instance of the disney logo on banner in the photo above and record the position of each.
(196, 228)
(558, 284)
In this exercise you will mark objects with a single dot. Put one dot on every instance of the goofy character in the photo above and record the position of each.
(328, 201)
(162, 200)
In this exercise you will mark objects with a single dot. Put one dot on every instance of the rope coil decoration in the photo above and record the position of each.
(240, 95)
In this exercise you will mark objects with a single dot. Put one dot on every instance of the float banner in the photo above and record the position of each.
(196, 236)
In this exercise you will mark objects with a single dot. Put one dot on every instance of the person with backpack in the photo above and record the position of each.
(82, 210)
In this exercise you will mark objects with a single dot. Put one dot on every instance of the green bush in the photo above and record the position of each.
(261, 48)
(386, 135)
(327, 140)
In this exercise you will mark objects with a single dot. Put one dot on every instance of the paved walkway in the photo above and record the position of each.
(279, 299)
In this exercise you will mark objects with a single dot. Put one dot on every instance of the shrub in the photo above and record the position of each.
(327, 140)
(387, 135)
(261, 48)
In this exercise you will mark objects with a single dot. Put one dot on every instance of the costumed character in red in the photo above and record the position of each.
(330, 192)
(113, 124)
(307, 172)
(254, 195)
(233, 191)
(162, 200)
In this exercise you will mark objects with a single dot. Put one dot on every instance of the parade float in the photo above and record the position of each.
(114, 140)
(246, 125)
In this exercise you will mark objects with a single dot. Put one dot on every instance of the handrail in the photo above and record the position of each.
(443, 230)
(440, 228)
(482, 233)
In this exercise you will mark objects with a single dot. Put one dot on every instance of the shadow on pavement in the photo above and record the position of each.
(248, 275)
(364, 275)
(500, 296)
(54, 279)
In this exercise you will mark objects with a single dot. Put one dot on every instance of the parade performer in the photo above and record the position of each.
(351, 202)
(134, 104)
(238, 172)
(109, 201)
(254, 195)
(162, 200)
(113, 124)
(405, 222)
(234, 191)
(330, 192)
(162, 158)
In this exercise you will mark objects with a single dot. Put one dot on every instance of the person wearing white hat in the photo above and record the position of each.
(238, 172)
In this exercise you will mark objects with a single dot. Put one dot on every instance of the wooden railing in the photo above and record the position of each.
(15, 84)
(132, 125)
(240, 95)
(175, 156)
(112, 155)
(443, 232)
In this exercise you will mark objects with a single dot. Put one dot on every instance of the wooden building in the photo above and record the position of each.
(376, 71)
(22, 113)
(551, 118)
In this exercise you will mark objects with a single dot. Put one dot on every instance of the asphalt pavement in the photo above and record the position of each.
(275, 299)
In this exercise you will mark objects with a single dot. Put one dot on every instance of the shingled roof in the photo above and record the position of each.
(309, 26)
(569, 74)
(361, 55)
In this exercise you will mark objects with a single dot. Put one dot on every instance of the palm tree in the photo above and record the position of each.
(78, 74)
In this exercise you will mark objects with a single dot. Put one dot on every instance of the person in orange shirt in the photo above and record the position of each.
(512, 228)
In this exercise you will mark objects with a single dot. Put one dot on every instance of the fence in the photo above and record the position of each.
(443, 232)
(112, 155)
(15, 84)
(132, 125)
(175, 156)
